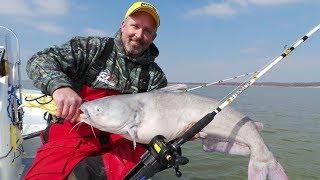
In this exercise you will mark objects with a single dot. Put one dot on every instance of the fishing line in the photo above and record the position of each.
(220, 81)
(234, 90)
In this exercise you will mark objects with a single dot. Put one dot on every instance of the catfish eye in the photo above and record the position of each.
(98, 109)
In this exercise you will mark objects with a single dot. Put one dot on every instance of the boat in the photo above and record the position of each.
(19, 127)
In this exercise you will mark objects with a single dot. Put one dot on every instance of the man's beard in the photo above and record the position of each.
(134, 50)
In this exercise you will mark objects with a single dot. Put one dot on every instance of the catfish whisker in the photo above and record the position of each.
(78, 124)
(94, 134)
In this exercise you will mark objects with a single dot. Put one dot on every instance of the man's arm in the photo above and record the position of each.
(57, 70)
(58, 66)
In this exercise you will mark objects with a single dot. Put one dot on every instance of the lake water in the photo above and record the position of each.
(291, 119)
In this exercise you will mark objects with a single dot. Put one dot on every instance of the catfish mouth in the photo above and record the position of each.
(86, 114)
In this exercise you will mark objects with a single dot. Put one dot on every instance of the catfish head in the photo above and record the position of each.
(116, 114)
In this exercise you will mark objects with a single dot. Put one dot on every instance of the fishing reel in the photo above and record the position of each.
(167, 154)
(161, 155)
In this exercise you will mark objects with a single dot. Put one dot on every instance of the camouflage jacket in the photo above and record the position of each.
(67, 66)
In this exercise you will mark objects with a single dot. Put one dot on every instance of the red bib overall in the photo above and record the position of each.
(66, 146)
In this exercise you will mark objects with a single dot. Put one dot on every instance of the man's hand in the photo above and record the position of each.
(68, 103)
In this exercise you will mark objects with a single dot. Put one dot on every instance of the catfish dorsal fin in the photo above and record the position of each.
(175, 88)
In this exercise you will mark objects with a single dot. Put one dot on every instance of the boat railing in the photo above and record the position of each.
(11, 63)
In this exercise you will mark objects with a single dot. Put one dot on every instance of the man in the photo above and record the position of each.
(89, 68)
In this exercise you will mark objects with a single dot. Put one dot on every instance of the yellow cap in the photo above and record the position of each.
(145, 7)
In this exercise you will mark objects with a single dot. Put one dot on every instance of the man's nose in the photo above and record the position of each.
(139, 33)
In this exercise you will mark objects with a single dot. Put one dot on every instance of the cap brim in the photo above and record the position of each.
(149, 11)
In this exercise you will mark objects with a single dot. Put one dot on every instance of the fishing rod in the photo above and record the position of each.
(221, 81)
(163, 155)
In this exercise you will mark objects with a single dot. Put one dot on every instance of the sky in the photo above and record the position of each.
(199, 40)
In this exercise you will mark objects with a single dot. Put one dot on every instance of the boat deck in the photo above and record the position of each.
(30, 146)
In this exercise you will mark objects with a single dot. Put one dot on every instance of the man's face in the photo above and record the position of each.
(138, 32)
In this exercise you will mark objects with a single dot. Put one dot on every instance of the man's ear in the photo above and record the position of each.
(122, 26)
(155, 35)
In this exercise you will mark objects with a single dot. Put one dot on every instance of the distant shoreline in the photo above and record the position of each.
(260, 84)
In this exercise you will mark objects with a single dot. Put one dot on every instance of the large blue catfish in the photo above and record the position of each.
(140, 117)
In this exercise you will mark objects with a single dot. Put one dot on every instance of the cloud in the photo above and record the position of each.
(51, 7)
(221, 10)
(49, 28)
(250, 50)
(95, 32)
(16, 8)
(272, 2)
(21, 8)
(242, 3)
(29, 12)
(230, 8)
